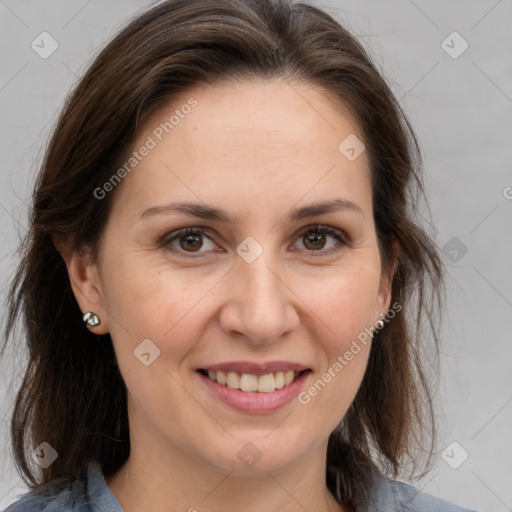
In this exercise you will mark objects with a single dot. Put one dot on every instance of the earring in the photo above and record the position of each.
(380, 323)
(91, 319)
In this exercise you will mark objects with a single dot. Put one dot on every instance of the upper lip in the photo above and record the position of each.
(256, 368)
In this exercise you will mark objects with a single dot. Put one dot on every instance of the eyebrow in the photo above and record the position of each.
(204, 211)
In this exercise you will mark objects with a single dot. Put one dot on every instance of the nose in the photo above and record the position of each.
(259, 305)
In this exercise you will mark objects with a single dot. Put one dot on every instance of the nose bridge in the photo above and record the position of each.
(259, 306)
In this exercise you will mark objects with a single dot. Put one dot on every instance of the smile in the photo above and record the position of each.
(265, 391)
(248, 382)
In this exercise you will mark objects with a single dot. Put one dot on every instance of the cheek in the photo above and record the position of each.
(343, 312)
(148, 300)
(344, 302)
(344, 335)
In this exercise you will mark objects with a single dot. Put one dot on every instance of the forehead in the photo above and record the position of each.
(250, 139)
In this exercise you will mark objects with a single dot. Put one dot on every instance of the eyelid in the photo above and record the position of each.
(173, 235)
(340, 235)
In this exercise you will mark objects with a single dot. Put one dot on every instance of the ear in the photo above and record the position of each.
(85, 283)
(386, 281)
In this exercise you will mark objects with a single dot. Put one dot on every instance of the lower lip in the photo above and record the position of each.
(254, 401)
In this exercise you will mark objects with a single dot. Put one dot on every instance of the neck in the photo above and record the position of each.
(171, 480)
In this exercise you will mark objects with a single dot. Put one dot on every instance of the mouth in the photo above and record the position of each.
(248, 382)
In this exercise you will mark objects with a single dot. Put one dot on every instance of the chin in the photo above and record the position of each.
(253, 455)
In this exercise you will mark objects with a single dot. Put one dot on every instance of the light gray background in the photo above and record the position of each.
(461, 109)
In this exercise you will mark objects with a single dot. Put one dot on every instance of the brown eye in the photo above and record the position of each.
(314, 241)
(190, 240)
(316, 237)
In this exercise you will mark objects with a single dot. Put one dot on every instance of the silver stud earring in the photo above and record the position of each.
(91, 319)
(380, 323)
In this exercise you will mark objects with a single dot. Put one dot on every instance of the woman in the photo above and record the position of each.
(223, 289)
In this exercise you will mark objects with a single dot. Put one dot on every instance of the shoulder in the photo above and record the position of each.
(88, 494)
(390, 495)
(69, 497)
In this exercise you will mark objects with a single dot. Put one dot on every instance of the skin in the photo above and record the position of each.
(256, 149)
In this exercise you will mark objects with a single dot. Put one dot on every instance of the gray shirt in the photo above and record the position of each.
(92, 494)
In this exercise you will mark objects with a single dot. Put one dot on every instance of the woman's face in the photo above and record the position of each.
(252, 289)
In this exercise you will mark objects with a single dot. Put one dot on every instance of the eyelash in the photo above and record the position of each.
(317, 228)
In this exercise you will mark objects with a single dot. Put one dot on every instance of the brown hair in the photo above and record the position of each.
(72, 394)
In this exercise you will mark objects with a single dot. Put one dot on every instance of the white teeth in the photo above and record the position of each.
(233, 380)
(288, 377)
(279, 380)
(266, 383)
(248, 382)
